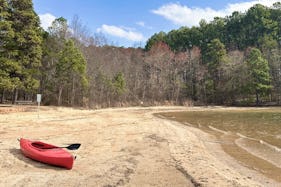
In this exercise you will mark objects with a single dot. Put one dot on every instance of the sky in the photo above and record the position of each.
(131, 23)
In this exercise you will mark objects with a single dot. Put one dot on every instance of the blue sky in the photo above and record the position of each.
(132, 22)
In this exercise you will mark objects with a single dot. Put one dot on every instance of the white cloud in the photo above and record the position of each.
(46, 20)
(126, 33)
(141, 23)
(242, 7)
(191, 16)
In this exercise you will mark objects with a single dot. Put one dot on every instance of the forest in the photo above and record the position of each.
(235, 60)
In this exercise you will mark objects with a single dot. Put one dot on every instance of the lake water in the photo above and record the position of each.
(252, 135)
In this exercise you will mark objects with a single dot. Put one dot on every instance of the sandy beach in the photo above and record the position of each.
(119, 147)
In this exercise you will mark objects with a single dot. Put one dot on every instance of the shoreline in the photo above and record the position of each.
(235, 172)
(119, 146)
(249, 152)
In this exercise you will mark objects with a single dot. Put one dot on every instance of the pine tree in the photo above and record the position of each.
(27, 44)
(215, 56)
(70, 70)
(259, 77)
(8, 66)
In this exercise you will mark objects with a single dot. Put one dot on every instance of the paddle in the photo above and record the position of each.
(73, 146)
(70, 147)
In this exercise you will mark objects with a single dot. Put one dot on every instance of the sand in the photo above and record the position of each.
(120, 147)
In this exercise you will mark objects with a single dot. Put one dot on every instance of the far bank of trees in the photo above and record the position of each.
(230, 61)
(241, 54)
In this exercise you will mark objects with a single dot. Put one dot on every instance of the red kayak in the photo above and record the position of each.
(46, 153)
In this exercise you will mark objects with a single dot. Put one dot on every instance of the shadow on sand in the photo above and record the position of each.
(18, 154)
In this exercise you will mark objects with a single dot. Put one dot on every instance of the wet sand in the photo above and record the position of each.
(120, 147)
(257, 148)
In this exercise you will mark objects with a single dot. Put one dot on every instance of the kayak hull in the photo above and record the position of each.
(46, 153)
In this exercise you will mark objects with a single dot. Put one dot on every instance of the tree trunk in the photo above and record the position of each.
(73, 92)
(15, 98)
(3, 96)
(257, 98)
(59, 96)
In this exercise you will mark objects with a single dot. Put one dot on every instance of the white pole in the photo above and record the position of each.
(38, 104)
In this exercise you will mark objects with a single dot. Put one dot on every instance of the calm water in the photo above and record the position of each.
(252, 136)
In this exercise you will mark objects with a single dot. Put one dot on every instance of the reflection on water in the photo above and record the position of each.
(255, 134)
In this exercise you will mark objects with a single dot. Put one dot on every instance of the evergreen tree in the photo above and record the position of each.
(119, 84)
(27, 44)
(258, 72)
(8, 66)
(183, 39)
(70, 70)
(6, 34)
(159, 37)
(235, 36)
(215, 56)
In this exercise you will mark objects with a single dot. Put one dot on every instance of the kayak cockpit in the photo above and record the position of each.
(41, 145)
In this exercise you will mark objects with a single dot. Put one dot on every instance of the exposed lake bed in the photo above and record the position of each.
(121, 147)
(250, 135)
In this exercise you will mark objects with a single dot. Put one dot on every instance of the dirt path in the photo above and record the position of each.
(120, 147)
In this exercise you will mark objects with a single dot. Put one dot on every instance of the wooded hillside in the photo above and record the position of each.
(234, 60)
